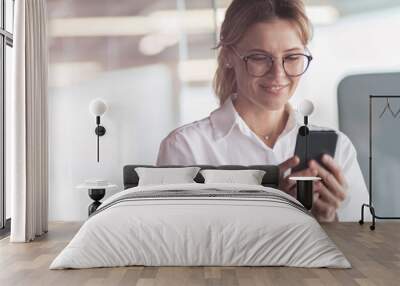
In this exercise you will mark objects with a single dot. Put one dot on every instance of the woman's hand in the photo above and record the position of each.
(289, 186)
(328, 193)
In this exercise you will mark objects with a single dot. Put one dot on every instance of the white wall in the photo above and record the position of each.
(139, 116)
(196, 103)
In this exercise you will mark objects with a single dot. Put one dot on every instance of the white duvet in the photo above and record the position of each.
(200, 231)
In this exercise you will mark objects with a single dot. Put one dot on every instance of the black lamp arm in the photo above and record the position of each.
(100, 131)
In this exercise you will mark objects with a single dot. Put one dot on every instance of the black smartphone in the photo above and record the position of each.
(320, 142)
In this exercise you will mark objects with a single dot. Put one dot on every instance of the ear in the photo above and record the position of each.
(228, 57)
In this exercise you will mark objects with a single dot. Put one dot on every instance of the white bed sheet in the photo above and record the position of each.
(200, 231)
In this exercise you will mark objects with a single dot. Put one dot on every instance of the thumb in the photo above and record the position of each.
(289, 163)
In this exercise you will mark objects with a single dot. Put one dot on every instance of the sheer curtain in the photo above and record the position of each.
(28, 159)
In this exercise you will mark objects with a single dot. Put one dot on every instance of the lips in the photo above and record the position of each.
(274, 88)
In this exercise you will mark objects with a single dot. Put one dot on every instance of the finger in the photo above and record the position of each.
(309, 172)
(323, 211)
(327, 196)
(334, 168)
(290, 186)
(292, 190)
(288, 183)
(329, 180)
(288, 164)
(315, 195)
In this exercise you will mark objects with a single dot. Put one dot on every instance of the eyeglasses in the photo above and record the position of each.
(259, 64)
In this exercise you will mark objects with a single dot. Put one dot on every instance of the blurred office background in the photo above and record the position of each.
(152, 62)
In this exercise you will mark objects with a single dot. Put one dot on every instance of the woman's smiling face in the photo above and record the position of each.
(278, 38)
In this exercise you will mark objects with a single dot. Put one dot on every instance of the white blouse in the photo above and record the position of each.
(224, 138)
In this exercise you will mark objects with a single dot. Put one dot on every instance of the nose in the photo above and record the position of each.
(277, 70)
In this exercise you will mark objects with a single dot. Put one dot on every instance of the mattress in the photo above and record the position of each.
(201, 225)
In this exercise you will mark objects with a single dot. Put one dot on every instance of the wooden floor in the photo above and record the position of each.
(374, 255)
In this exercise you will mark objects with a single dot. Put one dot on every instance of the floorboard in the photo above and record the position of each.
(374, 255)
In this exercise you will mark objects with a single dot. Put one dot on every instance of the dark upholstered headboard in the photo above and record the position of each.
(270, 179)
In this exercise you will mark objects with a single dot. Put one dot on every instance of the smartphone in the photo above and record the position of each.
(320, 142)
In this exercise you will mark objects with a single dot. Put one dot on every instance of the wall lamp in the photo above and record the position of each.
(305, 184)
(98, 107)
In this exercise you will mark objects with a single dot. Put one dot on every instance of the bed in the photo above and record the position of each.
(201, 224)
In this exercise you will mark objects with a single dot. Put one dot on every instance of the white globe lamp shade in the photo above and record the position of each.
(306, 107)
(97, 107)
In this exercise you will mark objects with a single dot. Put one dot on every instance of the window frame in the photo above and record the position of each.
(6, 39)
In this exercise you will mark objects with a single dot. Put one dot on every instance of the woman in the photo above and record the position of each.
(261, 59)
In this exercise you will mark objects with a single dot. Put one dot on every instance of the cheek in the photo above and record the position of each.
(244, 81)
(253, 84)
(294, 82)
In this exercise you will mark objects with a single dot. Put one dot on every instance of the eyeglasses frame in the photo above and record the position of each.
(246, 58)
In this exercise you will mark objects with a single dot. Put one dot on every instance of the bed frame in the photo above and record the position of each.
(270, 179)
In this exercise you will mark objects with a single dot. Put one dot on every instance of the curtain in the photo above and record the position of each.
(28, 161)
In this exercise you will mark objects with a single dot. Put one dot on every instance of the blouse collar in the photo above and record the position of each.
(225, 118)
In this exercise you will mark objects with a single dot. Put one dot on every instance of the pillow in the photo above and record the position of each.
(162, 176)
(248, 177)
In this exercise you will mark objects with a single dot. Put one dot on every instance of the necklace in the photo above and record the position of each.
(265, 137)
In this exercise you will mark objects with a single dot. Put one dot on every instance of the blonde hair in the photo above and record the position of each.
(240, 15)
